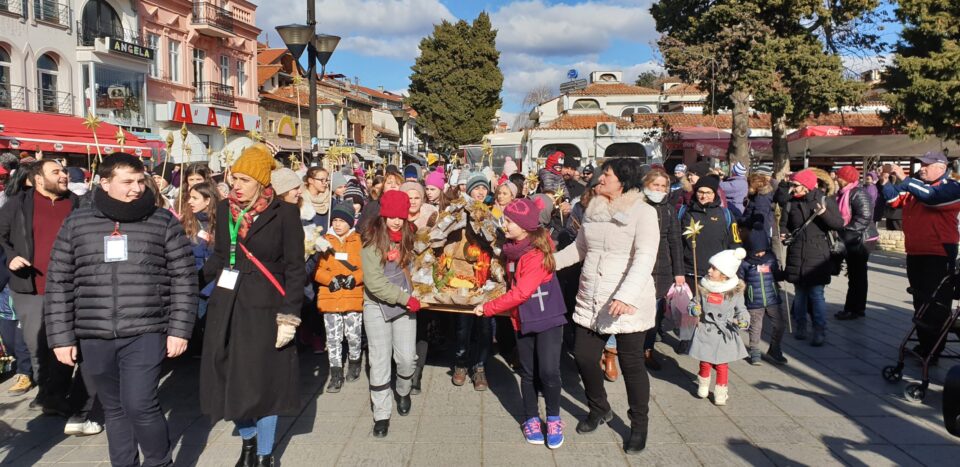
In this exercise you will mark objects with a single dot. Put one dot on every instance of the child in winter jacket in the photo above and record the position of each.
(761, 271)
(536, 307)
(716, 341)
(340, 296)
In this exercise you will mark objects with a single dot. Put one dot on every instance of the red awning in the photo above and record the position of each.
(53, 133)
(831, 131)
(861, 141)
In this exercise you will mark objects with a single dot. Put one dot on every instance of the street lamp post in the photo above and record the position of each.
(300, 37)
(401, 116)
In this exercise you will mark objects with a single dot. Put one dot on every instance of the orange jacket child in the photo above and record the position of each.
(340, 275)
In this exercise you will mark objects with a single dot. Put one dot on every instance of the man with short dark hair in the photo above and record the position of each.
(569, 173)
(29, 223)
(122, 295)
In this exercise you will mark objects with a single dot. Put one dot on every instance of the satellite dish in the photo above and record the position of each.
(572, 74)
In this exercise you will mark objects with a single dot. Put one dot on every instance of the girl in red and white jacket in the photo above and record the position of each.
(536, 308)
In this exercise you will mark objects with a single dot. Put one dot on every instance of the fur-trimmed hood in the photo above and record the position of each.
(602, 209)
(825, 182)
(759, 184)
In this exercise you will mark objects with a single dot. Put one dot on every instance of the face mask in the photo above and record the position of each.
(655, 196)
(799, 196)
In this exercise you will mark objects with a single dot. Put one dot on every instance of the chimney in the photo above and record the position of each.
(380, 88)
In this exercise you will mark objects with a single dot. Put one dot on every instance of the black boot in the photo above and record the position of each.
(248, 453)
(336, 379)
(593, 420)
(380, 428)
(403, 404)
(415, 383)
(353, 370)
(265, 461)
(636, 443)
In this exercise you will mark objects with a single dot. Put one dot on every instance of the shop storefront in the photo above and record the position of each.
(210, 131)
(116, 95)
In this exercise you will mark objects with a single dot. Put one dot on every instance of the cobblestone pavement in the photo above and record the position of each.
(829, 406)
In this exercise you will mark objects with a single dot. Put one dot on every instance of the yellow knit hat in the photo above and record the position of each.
(255, 162)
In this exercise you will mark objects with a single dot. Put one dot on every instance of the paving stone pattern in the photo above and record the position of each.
(829, 406)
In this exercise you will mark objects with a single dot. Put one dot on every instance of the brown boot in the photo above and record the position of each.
(479, 380)
(459, 376)
(650, 361)
(610, 364)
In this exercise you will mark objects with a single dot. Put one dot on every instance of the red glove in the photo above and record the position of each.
(413, 304)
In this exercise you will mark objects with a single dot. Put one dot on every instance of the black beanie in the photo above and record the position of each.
(710, 181)
(343, 213)
(701, 168)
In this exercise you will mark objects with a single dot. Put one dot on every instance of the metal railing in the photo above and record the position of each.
(87, 35)
(54, 101)
(51, 12)
(13, 97)
(16, 8)
(212, 14)
(208, 92)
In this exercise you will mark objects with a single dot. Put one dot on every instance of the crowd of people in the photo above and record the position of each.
(110, 273)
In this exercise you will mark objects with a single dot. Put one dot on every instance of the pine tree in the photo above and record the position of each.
(924, 83)
(456, 82)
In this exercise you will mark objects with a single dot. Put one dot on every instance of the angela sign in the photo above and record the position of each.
(132, 50)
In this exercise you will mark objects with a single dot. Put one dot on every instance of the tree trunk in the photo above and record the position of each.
(781, 152)
(739, 149)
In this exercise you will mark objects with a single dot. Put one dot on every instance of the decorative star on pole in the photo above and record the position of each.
(92, 122)
(693, 229)
(254, 135)
(121, 139)
(224, 131)
(691, 232)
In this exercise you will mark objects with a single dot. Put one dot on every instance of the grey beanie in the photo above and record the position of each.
(337, 180)
(284, 180)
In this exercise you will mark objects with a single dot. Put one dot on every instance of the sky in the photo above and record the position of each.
(539, 40)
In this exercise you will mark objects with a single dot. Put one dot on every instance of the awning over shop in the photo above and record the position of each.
(861, 141)
(367, 156)
(52, 133)
(710, 141)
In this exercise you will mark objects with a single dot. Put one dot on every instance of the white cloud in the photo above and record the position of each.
(379, 28)
(534, 27)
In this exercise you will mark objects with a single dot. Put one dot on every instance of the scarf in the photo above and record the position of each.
(845, 211)
(515, 250)
(120, 211)
(260, 205)
(395, 237)
(719, 287)
(321, 203)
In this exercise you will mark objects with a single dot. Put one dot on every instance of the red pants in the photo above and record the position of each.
(722, 369)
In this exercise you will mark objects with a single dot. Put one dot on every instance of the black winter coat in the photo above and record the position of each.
(719, 233)
(670, 253)
(808, 258)
(861, 226)
(16, 238)
(243, 375)
(153, 291)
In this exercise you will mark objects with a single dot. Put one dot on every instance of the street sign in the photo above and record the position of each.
(572, 74)
(573, 85)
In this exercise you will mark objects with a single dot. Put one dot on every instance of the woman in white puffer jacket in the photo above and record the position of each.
(618, 247)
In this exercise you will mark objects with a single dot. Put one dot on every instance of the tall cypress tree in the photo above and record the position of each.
(924, 83)
(456, 82)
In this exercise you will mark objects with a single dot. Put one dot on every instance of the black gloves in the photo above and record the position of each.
(334, 284)
(348, 282)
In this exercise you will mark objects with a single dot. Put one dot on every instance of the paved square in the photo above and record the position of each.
(829, 406)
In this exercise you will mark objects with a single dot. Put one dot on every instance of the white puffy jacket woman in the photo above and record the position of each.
(618, 247)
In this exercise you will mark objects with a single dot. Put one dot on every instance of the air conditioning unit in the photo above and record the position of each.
(606, 129)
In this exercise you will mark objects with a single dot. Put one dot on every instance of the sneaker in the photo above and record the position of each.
(479, 379)
(819, 337)
(554, 432)
(533, 430)
(91, 427)
(74, 426)
(21, 384)
(459, 376)
(776, 356)
(755, 357)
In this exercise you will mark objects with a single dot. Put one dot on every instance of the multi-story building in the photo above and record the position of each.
(203, 75)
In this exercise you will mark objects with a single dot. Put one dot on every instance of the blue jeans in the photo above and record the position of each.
(265, 429)
(812, 296)
(474, 339)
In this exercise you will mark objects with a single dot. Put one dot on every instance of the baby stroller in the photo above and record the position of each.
(915, 392)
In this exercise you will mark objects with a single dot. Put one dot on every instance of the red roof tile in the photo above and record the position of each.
(725, 121)
(265, 72)
(613, 89)
(269, 56)
(381, 94)
(584, 122)
(685, 89)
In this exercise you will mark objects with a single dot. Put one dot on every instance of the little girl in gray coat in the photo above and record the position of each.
(716, 341)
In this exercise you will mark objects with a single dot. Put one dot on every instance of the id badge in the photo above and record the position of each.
(114, 248)
(228, 278)
(340, 256)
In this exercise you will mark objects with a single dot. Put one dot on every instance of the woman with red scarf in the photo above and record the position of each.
(249, 368)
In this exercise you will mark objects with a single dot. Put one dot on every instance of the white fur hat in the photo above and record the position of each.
(728, 261)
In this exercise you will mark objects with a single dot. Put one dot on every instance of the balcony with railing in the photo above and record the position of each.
(87, 35)
(50, 12)
(54, 101)
(15, 8)
(212, 19)
(13, 97)
(208, 92)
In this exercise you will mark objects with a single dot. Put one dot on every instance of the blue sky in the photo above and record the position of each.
(539, 40)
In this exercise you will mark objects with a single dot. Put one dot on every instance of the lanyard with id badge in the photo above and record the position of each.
(115, 246)
(229, 275)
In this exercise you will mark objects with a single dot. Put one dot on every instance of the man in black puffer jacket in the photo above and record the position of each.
(122, 285)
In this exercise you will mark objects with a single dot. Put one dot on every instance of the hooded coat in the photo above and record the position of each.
(717, 337)
(242, 374)
(808, 259)
(618, 259)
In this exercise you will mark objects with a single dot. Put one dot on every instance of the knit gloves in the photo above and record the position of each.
(342, 282)
(413, 304)
(286, 329)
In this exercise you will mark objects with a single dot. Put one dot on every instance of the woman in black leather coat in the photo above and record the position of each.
(859, 235)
